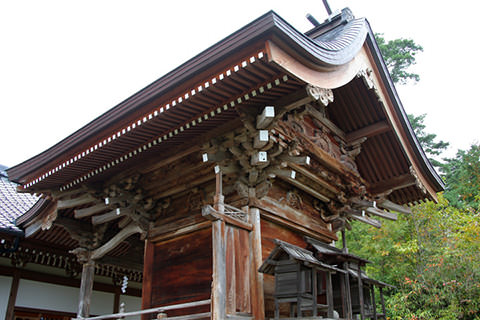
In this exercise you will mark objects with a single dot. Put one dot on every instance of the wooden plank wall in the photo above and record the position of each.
(182, 269)
(238, 270)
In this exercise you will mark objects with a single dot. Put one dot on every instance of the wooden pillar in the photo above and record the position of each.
(348, 296)
(116, 299)
(329, 295)
(314, 292)
(256, 278)
(148, 264)
(86, 287)
(382, 301)
(219, 282)
(360, 292)
(374, 302)
(12, 298)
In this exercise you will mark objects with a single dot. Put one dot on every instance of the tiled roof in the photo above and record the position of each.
(12, 204)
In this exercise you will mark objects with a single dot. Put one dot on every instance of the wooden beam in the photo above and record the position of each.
(305, 172)
(358, 216)
(387, 204)
(184, 187)
(179, 231)
(305, 160)
(86, 212)
(370, 207)
(326, 122)
(116, 240)
(292, 219)
(305, 188)
(210, 213)
(78, 201)
(393, 184)
(111, 215)
(382, 213)
(261, 139)
(266, 117)
(368, 131)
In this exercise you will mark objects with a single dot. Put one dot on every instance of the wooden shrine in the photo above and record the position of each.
(297, 277)
(269, 134)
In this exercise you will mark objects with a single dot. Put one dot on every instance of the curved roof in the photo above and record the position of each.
(182, 97)
(12, 204)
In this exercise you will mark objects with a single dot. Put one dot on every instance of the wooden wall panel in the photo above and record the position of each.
(238, 270)
(182, 269)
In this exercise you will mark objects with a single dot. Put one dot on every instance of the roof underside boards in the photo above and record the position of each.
(176, 122)
(200, 96)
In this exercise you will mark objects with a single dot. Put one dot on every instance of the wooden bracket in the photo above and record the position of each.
(266, 117)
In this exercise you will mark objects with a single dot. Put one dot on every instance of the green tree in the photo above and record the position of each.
(430, 256)
(430, 145)
(462, 177)
(399, 55)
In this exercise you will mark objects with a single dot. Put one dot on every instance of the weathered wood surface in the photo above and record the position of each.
(256, 278)
(182, 269)
(301, 221)
(148, 275)
(238, 271)
(74, 202)
(219, 289)
(86, 288)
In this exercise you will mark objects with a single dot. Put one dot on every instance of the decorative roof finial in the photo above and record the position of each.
(327, 7)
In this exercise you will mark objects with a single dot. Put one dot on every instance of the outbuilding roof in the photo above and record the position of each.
(12, 204)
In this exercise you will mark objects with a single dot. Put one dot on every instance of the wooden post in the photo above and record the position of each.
(116, 299)
(314, 292)
(344, 241)
(256, 278)
(348, 292)
(12, 298)
(382, 300)
(360, 292)
(86, 286)
(374, 302)
(343, 295)
(148, 263)
(219, 282)
(329, 295)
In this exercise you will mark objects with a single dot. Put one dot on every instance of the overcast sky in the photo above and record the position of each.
(63, 63)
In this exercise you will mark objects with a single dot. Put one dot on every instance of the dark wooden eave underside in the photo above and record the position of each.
(255, 75)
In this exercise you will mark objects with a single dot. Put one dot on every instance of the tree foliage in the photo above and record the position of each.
(399, 55)
(430, 145)
(431, 256)
(462, 176)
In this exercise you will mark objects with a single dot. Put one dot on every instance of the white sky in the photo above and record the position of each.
(63, 63)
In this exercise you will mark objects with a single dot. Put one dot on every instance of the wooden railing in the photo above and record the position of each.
(159, 310)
